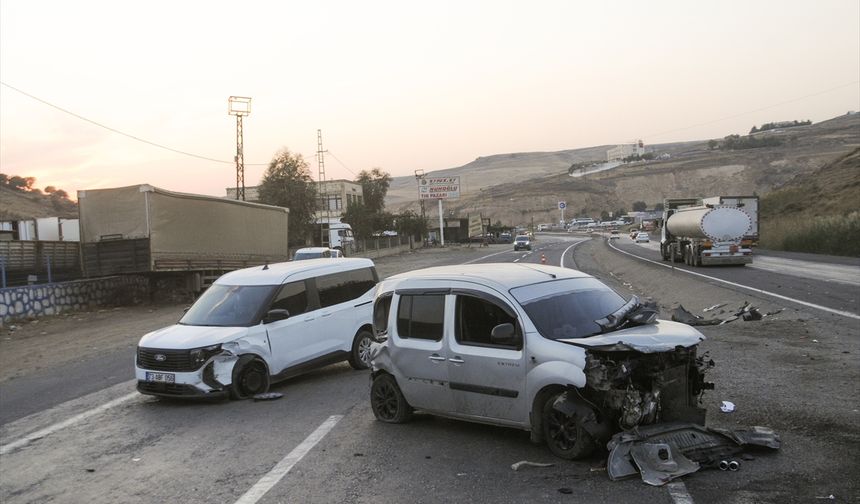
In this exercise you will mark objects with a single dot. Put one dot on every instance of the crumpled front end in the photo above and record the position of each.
(634, 388)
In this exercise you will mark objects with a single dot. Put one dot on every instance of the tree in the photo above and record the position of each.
(712, 144)
(374, 185)
(50, 189)
(639, 206)
(287, 182)
(604, 215)
(411, 224)
(658, 207)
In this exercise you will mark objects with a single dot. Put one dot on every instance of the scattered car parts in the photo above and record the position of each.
(663, 452)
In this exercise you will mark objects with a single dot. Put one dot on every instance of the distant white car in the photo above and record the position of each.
(261, 325)
(614, 235)
(316, 253)
(642, 238)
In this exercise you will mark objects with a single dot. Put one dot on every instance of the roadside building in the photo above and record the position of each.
(334, 195)
(625, 150)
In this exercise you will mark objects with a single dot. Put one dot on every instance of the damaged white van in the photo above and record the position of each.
(260, 325)
(545, 349)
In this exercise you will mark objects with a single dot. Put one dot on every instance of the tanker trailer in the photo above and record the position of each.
(704, 235)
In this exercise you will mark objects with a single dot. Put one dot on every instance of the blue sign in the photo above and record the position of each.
(562, 205)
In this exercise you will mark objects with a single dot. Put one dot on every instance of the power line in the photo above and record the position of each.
(341, 163)
(114, 130)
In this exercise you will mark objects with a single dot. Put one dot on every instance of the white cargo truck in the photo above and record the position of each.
(702, 235)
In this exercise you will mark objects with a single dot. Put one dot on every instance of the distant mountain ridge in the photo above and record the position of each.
(515, 188)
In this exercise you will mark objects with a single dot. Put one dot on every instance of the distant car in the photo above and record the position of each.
(614, 235)
(316, 253)
(545, 349)
(642, 237)
(522, 242)
(506, 238)
(261, 325)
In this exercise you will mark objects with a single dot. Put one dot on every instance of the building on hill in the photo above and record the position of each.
(625, 150)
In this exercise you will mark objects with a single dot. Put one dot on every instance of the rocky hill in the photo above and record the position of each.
(515, 188)
(16, 204)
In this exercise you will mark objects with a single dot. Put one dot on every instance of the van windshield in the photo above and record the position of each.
(229, 306)
(568, 308)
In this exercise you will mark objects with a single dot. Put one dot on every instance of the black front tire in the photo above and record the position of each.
(250, 377)
(359, 357)
(564, 435)
(387, 400)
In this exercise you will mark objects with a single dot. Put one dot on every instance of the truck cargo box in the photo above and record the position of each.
(141, 228)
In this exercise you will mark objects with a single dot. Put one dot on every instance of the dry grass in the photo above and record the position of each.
(834, 235)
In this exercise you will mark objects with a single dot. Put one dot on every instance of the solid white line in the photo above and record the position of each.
(741, 286)
(569, 248)
(678, 492)
(269, 480)
(65, 423)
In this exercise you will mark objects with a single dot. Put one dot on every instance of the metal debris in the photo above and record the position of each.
(526, 463)
(715, 307)
(681, 314)
(661, 452)
(268, 396)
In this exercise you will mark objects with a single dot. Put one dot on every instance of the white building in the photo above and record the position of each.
(625, 150)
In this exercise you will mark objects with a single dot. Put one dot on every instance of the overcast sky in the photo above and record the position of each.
(399, 85)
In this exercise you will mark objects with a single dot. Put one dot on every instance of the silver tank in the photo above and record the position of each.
(718, 223)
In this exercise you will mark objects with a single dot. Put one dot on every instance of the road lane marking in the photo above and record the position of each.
(271, 478)
(486, 256)
(569, 248)
(754, 289)
(47, 431)
(678, 492)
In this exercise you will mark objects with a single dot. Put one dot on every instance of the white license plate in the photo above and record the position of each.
(160, 377)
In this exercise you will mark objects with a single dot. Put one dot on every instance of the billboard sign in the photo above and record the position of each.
(439, 188)
(476, 227)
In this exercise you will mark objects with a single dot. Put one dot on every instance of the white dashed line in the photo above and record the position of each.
(39, 434)
(271, 478)
(741, 286)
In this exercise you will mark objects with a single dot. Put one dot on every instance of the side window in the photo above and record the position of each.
(345, 286)
(292, 297)
(421, 316)
(475, 320)
(381, 309)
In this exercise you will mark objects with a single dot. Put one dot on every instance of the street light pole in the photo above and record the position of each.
(239, 106)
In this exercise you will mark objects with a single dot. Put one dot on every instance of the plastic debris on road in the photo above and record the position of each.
(526, 463)
(268, 396)
(727, 406)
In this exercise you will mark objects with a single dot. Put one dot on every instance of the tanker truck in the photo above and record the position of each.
(702, 235)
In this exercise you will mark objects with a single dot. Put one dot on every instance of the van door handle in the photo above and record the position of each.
(326, 314)
(436, 358)
(308, 319)
(456, 360)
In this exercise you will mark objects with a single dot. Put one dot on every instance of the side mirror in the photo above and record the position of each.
(275, 315)
(504, 334)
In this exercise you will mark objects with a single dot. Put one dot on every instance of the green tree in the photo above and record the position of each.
(639, 206)
(411, 224)
(712, 144)
(374, 186)
(604, 215)
(287, 182)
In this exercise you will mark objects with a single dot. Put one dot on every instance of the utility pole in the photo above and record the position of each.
(419, 174)
(239, 106)
(323, 189)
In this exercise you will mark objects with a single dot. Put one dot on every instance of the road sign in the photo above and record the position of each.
(439, 188)
(562, 205)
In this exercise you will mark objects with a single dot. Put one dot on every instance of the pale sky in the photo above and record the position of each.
(399, 85)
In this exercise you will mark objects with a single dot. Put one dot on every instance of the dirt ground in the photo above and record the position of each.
(29, 346)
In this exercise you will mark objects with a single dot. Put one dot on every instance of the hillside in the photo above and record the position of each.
(514, 188)
(817, 211)
(18, 205)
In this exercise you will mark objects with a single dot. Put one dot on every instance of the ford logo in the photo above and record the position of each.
(160, 357)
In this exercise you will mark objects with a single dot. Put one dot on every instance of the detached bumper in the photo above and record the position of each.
(177, 390)
(212, 380)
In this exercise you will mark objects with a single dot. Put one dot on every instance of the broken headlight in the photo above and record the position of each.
(199, 356)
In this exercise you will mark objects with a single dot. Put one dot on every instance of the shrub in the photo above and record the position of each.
(835, 235)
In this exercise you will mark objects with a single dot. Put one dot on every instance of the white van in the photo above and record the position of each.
(260, 325)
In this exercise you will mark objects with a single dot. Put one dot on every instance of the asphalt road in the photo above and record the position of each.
(92, 439)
